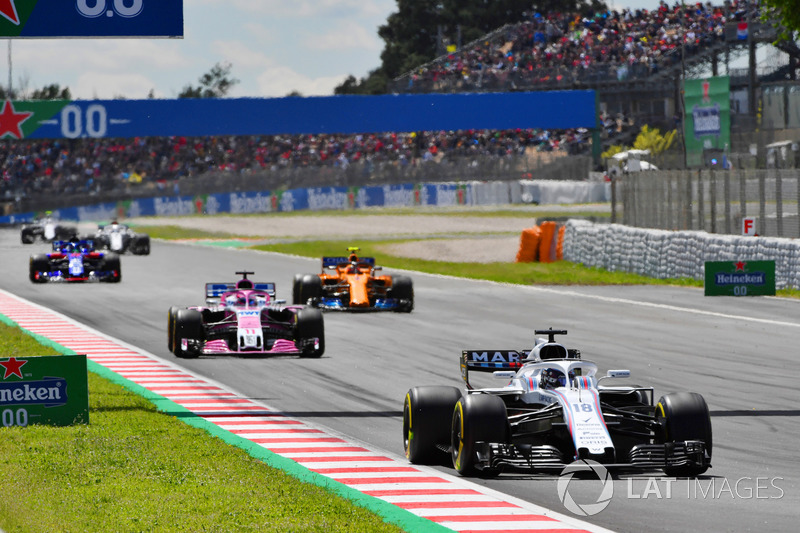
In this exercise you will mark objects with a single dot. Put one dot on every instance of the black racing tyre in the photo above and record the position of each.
(310, 289)
(111, 262)
(173, 313)
(476, 418)
(309, 325)
(296, 284)
(27, 236)
(140, 245)
(403, 289)
(684, 416)
(427, 413)
(38, 263)
(188, 325)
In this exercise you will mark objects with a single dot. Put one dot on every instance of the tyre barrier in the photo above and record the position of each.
(675, 254)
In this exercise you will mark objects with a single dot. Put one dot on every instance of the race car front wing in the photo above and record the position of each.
(499, 456)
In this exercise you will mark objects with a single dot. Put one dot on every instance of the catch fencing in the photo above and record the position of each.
(710, 200)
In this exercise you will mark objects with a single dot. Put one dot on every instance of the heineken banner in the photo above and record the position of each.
(44, 390)
(740, 278)
(91, 18)
(707, 120)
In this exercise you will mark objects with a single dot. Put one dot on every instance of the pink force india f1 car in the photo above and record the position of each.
(245, 319)
(554, 410)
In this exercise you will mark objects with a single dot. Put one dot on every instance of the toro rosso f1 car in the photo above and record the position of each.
(553, 411)
(120, 238)
(75, 260)
(353, 284)
(245, 319)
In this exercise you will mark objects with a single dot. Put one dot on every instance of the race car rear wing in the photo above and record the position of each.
(336, 261)
(216, 290)
(490, 361)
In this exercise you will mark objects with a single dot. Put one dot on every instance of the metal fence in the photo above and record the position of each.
(710, 200)
(531, 165)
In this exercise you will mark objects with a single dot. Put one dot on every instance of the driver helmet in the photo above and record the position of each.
(553, 378)
(353, 268)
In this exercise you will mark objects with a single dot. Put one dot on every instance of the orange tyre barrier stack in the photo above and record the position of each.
(543, 243)
(529, 245)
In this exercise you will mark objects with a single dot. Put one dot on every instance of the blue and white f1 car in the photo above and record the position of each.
(554, 410)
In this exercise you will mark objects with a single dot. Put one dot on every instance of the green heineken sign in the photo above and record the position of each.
(707, 117)
(44, 390)
(740, 278)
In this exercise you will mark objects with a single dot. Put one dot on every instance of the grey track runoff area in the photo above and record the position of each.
(740, 353)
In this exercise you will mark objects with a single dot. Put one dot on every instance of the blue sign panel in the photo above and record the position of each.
(91, 18)
(347, 114)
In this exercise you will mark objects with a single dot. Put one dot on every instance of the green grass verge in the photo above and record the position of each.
(557, 273)
(134, 468)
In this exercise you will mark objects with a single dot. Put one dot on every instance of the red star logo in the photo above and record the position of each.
(10, 120)
(739, 266)
(9, 11)
(13, 367)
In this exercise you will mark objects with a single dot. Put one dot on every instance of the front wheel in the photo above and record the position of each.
(684, 416)
(476, 418)
(403, 290)
(188, 326)
(39, 263)
(309, 289)
(173, 313)
(111, 265)
(427, 412)
(309, 332)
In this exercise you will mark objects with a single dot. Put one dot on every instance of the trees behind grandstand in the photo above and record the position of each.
(49, 92)
(786, 12)
(215, 83)
(421, 30)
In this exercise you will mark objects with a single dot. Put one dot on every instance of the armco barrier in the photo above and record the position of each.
(471, 193)
(675, 254)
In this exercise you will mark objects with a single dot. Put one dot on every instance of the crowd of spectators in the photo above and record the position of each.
(563, 48)
(91, 166)
(625, 40)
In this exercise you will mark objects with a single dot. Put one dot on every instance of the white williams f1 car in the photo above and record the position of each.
(554, 410)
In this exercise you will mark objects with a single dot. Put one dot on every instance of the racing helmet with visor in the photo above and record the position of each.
(553, 378)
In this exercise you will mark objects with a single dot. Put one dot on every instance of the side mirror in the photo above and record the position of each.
(377, 268)
(618, 374)
(504, 374)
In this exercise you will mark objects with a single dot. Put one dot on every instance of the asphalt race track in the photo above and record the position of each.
(740, 353)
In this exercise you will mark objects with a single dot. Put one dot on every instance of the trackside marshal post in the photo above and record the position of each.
(740, 278)
(50, 390)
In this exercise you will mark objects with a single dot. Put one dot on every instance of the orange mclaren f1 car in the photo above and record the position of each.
(353, 284)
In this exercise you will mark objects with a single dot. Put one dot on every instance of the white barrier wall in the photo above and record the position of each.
(675, 254)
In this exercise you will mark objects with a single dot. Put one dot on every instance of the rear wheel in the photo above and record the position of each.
(188, 326)
(476, 418)
(403, 289)
(427, 412)
(309, 332)
(684, 416)
(38, 263)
